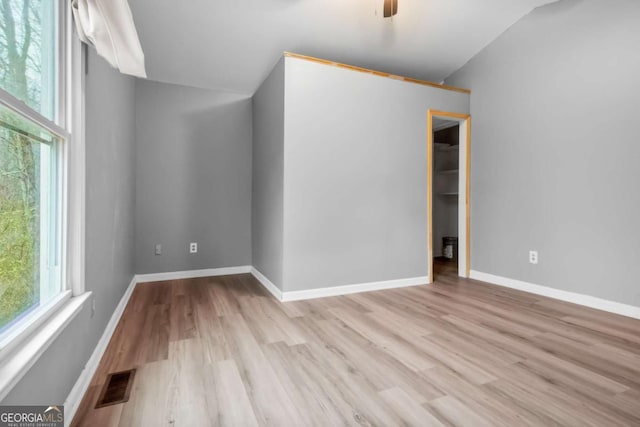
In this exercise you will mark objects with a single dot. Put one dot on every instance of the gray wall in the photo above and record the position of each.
(193, 178)
(268, 178)
(555, 149)
(355, 175)
(109, 234)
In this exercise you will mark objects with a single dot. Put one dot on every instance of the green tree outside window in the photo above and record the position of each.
(28, 46)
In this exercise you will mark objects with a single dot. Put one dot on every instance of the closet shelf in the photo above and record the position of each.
(445, 147)
(448, 171)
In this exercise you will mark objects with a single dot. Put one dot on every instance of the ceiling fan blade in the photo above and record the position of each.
(390, 8)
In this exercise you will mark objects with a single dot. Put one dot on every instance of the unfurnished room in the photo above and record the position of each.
(319, 213)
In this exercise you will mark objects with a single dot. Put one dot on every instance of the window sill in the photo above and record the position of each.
(16, 364)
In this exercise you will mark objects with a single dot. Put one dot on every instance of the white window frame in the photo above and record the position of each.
(26, 341)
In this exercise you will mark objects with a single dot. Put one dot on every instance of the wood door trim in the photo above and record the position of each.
(376, 73)
(430, 193)
(463, 118)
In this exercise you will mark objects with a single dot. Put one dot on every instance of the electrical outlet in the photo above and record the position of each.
(193, 247)
(533, 257)
(158, 249)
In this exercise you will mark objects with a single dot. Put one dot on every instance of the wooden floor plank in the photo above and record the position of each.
(452, 412)
(234, 407)
(306, 389)
(410, 411)
(222, 351)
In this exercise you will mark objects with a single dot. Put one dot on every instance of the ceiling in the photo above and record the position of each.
(233, 45)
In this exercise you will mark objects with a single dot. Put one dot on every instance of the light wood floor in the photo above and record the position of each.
(221, 351)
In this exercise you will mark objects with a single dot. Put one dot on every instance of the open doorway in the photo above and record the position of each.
(448, 193)
(446, 168)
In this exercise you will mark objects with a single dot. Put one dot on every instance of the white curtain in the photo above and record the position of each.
(108, 25)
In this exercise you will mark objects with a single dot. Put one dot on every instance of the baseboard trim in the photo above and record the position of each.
(353, 289)
(267, 284)
(79, 389)
(572, 297)
(190, 274)
(284, 296)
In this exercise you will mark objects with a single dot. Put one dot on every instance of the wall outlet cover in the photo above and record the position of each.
(193, 247)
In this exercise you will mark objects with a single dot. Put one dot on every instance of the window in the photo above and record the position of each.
(29, 53)
(34, 136)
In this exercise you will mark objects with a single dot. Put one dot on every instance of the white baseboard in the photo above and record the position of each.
(268, 285)
(580, 299)
(353, 289)
(190, 274)
(335, 290)
(76, 394)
